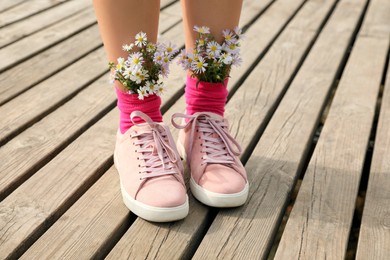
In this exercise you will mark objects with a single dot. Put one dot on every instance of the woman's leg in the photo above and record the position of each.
(218, 15)
(218, 178)
(120, 20)
(150, 185)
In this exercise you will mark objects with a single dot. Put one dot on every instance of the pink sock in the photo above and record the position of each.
(205, 97)
(127, 103)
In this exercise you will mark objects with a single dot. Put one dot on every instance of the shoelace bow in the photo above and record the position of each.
(219, 146)
(154, 150)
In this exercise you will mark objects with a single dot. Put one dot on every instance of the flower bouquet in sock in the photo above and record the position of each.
(209, 64)
(211, 61)
(142, 71)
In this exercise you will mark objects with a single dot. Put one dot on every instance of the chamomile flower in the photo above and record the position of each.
(142, 93)
(128, 47)
(199, 66)
(228, 35)
(236, 60)
(160, 90)
(140, 39)
(158, 58)
(214, 48)
(151, 87)
(141, 73)
(226, 58)
(139, 76)
(170, 49)
(231, 48)
(120, 63)
(127, 73)
(136, 60)
(202, 29)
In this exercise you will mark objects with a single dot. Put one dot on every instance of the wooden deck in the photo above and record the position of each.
(310, 106)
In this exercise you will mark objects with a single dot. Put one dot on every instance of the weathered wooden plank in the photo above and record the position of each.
(374, 237)
(15, 31)
(328, 191)
(161, 241)
(91, 229)
(30, 45)
(22, 155)
(15, 80)
(7, 4)
(26, 9)
(247, 232)
(319, 224)
(30, 209)
(27, 107)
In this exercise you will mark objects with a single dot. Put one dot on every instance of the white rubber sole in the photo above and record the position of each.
(213, 199)
(151, 213)
(154, 214)
(219, 200)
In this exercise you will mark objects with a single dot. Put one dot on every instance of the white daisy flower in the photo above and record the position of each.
(202, 29)
(214, 48)
(158, 58)
(170, 49)
(140, 39)
(236, 60)
(128, 47)
(226, 58)
(228, 35)
(142, 93)
(199, 66)
(151, 47)
(128, 73)
(151, 87)
(136, 60)
(160, 89)
(139, 75)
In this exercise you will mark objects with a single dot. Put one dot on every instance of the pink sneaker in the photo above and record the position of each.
(150, 171)
(218, 178)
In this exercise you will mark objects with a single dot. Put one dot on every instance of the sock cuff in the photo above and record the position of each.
(205, 97)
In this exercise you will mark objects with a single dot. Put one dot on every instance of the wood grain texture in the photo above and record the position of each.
(374, 237)
(248, 232)
(85, 227)
(26, 9)
(25, 153)
(38, 68)
(175, 241)
(15, 31)
(23, 109)
(7, 4)
(320, 222)
(30, 45)
(30, 209)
